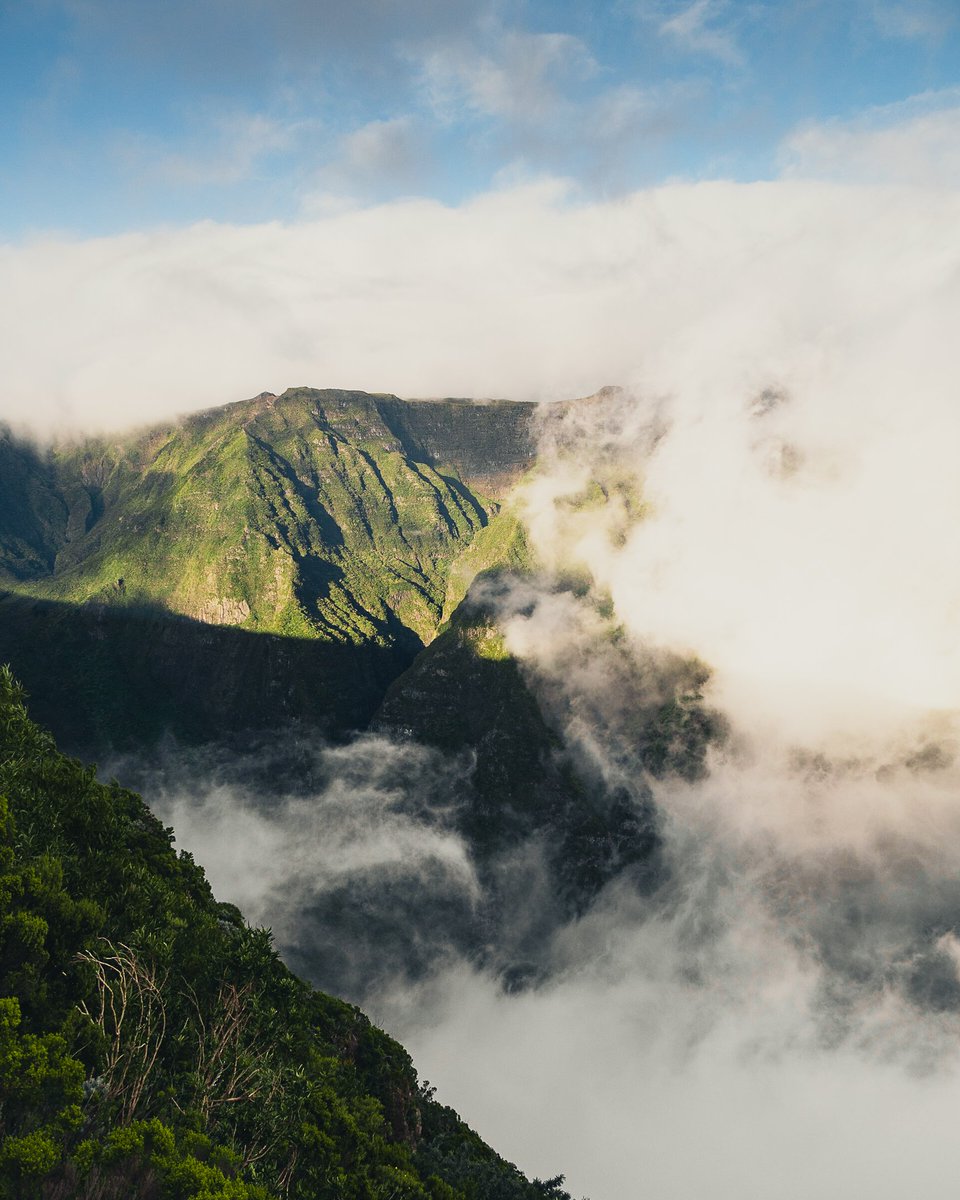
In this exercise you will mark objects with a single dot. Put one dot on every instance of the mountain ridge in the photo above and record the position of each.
(318, 515)
(226, 515)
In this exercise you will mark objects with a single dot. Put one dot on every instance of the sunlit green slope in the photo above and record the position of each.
(299, 550)
(311, 514)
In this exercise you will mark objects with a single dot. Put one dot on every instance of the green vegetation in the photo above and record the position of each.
(153, 1045)
(301, 515)
(33, 513)
(281, 558)
(501, 546)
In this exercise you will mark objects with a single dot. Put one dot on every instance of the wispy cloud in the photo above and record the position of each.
(392, 155)
(920, 20)
(228, 149)
(543, 103)
(699, 30)
(518, 76)
(380, 148)
(916, 141)
(368, 847)
(704, 27)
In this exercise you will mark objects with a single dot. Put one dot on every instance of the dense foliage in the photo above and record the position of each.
(153, 1045)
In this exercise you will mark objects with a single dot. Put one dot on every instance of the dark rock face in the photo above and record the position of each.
(110, 680)
(491, 445)
(33, 513)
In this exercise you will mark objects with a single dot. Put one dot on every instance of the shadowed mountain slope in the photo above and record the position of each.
(114, 679)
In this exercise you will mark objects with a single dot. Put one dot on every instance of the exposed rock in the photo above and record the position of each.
(223, 612)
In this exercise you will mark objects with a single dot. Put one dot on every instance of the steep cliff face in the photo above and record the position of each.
(545, 839)
(489, 445)
(119, 679)
(33, 513)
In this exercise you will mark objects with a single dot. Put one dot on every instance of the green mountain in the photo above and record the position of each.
(315, 514)
(284, 557)
(153, 1045)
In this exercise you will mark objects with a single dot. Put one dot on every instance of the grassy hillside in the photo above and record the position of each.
(334, 521)
(153, 1045)
(304, 515)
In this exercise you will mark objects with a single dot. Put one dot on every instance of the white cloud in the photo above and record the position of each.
(518, 293)
(368, 843)
(390, 153)
(916, 141)
(697, 29)
(763, 1022)
(380, 146)
(702, 27)
(229, 149)
(518, 76)
(549, 106)
(923, 20)
(585, 1076)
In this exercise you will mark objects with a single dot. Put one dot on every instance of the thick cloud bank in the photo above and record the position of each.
(775, 496)
(523, 293)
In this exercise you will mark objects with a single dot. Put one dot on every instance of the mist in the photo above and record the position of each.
(344, 852)
(769, 498)
(774, 498)
(527, 293)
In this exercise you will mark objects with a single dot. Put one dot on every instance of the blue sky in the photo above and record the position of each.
(121, 115)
